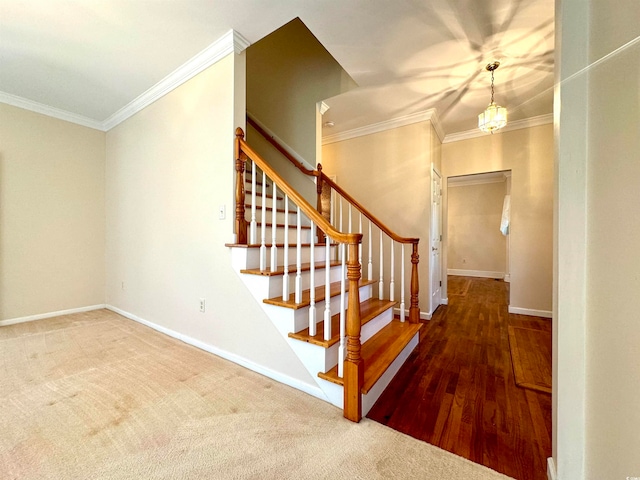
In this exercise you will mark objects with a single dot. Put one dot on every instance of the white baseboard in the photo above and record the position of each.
(530, 311)
(507, 277)
(423, 315)
(475, 273)
(444, 301)
(232, 357)
(41, 316)
(551, 469)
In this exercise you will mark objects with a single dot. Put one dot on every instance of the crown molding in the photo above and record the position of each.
(478, 179)
(43, 109)
(427, 115)
(323, 107)
(230, 42)
(517, 125)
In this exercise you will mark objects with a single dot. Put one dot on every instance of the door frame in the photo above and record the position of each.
(432, 307)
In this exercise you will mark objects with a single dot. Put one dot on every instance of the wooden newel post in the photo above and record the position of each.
(353, 364)
(319, 183)
(414, 309)
(241, 222)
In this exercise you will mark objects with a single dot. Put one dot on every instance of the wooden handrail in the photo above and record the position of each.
(366, 212)
(280, 148)
(242, 148)
(354, 366)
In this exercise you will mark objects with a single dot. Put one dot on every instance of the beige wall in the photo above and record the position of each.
(613, 233)
(474, 238)
(169, 167)
(390, 174)
(528, 153)
(52, 226)
(288, 72)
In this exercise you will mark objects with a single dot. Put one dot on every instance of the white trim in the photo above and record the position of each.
(232, 357)
(31, 318)
(427, 115)
(551, 469)
(290, 150)
(517, 125)
(43, 109)
(444, 301)
(476, 179)
(475, 273)
(507, 277)
(423, 315)
(230, 42)
(530, 311)
(323, 107)
(437, 126)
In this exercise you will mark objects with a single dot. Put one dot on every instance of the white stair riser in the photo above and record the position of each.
(370, 398)
(291, 320)
(253, 256)
(335, 393)
(271, 286)
(301, 316)
(305, 234)
(314, 357)
(280, 217)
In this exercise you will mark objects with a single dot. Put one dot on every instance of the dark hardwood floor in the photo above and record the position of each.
(457, 389)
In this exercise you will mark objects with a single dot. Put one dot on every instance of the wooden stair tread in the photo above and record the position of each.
(306, 298)
(292, 269)
(279, 210)
(259, 195)
(369, 309)
(279, 245)
(294, 226)
(379, 352)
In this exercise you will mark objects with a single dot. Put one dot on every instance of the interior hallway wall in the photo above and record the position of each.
(169, 168)
(528, 153)
(390, 174)
(476, 245)
(52, 227)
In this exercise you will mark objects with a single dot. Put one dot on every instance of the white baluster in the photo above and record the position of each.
(298, 294)
(392, 283)
(350, 230)
(274, 230)
(381, 283)
(343, 321)
(285, 277)
(312, 284)
(327, 290)
(253, 226)
(360, 244)
(370, 265)
(402, 283)
(340, 229)
(263, 225)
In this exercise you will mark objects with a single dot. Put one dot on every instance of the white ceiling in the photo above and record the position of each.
(93, 57)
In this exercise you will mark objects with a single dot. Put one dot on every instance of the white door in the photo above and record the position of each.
(436, 240)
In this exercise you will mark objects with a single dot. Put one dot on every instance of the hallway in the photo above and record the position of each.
(457, 389)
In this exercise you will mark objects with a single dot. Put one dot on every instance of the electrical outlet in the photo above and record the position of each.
(202, 305)
(222, 212)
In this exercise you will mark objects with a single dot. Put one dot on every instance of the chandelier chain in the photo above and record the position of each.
(491, 86)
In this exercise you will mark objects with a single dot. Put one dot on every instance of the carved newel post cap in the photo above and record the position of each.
(239, 133)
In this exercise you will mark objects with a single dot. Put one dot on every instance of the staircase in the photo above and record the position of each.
(304, 266)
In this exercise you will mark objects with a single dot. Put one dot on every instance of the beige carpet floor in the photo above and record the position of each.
(98, 396)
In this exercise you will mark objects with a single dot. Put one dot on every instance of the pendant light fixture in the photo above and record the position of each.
(494, 117)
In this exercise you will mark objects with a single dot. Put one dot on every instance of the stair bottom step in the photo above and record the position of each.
(379, 352)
